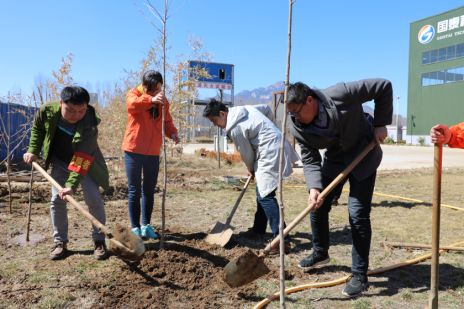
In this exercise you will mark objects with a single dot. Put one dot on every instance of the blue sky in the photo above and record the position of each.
(332, 40)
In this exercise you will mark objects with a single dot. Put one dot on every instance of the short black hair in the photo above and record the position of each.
(214, 107)
(298, 93)
(151, 78)
(75, 95)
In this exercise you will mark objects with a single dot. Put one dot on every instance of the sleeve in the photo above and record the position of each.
(37, 133)
(244, 147)
(85, 152)
(311, 159)
(457, 136)
(377, 89)
(168, 122)
(137, 102)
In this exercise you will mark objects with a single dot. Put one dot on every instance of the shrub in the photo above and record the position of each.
(421, 141)
(388, 140)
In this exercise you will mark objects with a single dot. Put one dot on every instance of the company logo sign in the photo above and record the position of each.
(426, 34)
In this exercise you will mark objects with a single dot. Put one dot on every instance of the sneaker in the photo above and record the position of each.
(357, 284)
(100, 251)
(59, 251)
(148, 232)
(316, 258)
(275, 250)
(136, 231)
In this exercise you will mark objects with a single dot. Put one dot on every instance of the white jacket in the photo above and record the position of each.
(258, 141)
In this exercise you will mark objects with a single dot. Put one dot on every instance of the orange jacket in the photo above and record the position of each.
(143, 133)
(457, 136)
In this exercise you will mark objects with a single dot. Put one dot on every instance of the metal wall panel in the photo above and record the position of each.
(15, 121)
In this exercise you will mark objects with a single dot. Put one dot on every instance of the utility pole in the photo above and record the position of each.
(397, 112)
(221, 95)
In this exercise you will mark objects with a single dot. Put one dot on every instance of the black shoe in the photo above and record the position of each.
(314, 259)
(357, 284)
(100, 251)
(252, 234)
(59, 251)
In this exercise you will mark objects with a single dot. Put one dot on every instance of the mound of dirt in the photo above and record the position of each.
(185, 274)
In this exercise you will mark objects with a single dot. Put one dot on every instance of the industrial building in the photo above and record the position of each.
(436, 73)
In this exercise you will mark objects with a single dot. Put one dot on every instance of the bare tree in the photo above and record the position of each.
(13, 138)
(163, 18)
(62, 77)
(282, 160)
(8, 156)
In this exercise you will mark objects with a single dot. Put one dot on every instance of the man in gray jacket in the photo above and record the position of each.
(258, 141)
(333, 119)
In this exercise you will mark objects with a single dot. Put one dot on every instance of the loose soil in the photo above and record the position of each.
(187, 272)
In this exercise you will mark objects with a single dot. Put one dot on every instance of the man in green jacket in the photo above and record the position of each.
(66, 133)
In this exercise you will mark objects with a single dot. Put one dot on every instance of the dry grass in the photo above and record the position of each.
(198, 197)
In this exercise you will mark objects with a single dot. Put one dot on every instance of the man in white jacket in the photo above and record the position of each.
(258, 141)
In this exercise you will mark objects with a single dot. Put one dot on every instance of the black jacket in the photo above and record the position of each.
(353, 130)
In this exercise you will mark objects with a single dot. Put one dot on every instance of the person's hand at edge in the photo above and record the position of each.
(440, 134)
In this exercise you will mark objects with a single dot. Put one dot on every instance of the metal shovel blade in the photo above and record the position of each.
(126, 245)
(244, 269)
(220, 234)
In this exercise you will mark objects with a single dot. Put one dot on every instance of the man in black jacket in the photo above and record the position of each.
(333, 119)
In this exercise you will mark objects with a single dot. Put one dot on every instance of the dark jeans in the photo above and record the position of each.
(359, 208)
(136, 164)
(267, 209)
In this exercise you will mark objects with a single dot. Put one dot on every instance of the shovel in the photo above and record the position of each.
(249, 266)
(221, 233)
(123, 243)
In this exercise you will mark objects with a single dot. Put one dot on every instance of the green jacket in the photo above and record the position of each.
(85, 145)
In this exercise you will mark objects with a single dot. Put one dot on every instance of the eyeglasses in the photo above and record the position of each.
(297, 111)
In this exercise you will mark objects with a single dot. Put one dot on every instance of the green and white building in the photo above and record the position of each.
(436, 73)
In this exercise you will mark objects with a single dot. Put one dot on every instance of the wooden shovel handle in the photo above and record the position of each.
(323, 194)
(237, 202)
(73, 202)
(28, 226)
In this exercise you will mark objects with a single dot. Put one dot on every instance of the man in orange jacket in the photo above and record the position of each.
(142, 146)
(453, 136)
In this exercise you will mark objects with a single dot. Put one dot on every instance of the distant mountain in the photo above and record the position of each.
(259, 95)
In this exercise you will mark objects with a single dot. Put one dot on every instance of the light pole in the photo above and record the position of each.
(397, 112)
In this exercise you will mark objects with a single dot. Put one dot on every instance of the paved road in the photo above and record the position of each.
(395, 157)
(405, 157)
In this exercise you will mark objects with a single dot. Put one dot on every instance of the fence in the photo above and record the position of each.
(15, 124)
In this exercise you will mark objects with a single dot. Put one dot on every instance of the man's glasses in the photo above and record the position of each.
(297, 111)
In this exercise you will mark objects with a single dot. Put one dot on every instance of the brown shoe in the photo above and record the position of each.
(275, 250)
(100, 251)
(59, 251)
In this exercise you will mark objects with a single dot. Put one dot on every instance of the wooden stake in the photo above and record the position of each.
(436, 199)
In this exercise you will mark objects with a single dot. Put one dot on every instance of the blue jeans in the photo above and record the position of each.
(267, 209)
(359, 208)
(136, 164)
